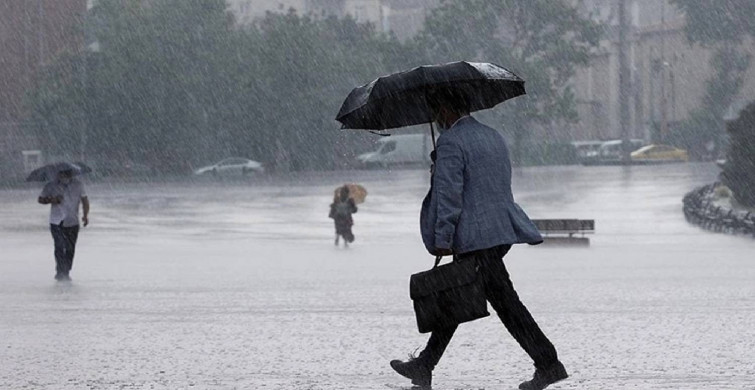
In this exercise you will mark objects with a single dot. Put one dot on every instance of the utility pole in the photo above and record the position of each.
(86, 54)
(85, 120)
(664, 65)
(624, 83)
(41, 36)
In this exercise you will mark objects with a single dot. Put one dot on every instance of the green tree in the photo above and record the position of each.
(177, 84)
(307, 67)
(543, 41)
(58, 104)
(157, 89)
(165, 78)
(739, 171)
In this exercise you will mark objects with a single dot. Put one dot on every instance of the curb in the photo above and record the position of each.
(699, 210)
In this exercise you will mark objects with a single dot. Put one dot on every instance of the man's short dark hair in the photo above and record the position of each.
(448, 97)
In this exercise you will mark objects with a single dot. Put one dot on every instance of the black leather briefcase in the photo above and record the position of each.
(448, 295)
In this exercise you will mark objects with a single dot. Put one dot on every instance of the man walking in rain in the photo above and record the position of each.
(471, 215)
(64, 194)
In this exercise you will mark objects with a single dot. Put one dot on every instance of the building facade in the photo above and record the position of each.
(668, 74)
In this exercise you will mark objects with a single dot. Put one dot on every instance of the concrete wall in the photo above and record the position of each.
(402, 17)
(246, 11)
(365, 11)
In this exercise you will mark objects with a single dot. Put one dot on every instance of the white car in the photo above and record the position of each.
(232, 166)
(405, 149)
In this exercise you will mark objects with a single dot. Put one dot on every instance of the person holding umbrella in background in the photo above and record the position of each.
(64, 193)
(344, 205)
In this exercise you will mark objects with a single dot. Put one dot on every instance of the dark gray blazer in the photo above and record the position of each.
(470, 205)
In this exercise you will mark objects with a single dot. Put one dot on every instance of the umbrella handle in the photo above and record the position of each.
(432, 134)
(432, 128)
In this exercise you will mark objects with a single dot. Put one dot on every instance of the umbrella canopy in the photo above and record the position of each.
(399, 99)
(356, 192)
(50, 172)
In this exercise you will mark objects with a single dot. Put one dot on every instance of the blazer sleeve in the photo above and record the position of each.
(448, 188)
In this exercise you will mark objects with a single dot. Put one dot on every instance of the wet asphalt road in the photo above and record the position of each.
(237, 285)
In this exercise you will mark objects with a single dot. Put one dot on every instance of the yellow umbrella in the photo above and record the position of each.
(356, 192)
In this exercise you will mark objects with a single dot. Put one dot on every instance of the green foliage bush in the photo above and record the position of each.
(739, 171)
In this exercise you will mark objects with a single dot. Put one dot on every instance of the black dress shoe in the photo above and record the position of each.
(414, 370)
(61, 277)
(545, 377)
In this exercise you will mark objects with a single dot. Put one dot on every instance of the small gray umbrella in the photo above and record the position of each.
(50, 172)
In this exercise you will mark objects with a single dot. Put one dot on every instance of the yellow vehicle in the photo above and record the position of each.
(659, 154)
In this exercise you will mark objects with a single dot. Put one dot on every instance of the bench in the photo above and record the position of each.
(563, 230)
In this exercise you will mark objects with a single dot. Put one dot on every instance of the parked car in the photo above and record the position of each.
(404, 149)
(659, 154)
(609, 152)
(586, 149)
(232, 166)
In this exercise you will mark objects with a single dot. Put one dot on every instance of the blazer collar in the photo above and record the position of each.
(461, 121)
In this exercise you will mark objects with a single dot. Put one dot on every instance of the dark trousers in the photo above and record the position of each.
(343, 228)
(499, 291)
(65, 246)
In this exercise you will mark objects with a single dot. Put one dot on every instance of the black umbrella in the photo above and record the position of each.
(50, 172)
(399, 99)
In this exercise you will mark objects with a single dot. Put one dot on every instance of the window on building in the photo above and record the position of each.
(359, 13)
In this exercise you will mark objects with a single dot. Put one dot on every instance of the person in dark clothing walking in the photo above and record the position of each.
(470, 213)
(340, 211)
(65, 194)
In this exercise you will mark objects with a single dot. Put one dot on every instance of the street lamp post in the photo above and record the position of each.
(624, 83)
(90, 49)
